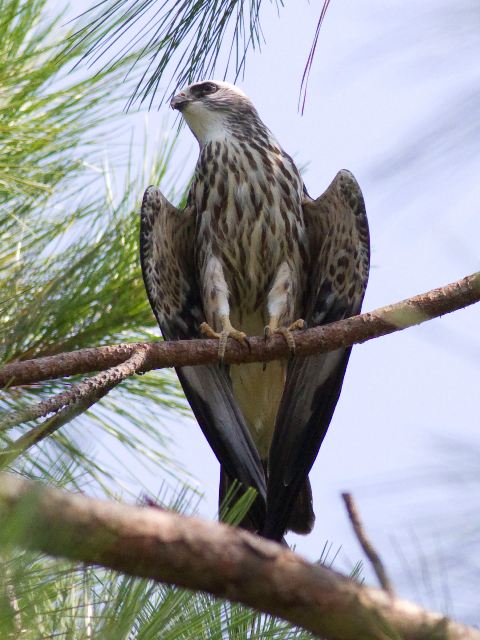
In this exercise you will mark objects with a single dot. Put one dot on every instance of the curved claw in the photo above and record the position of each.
(286, 332)
(207, 331)
(227, 332)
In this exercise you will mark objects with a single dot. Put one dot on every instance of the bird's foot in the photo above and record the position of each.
(286, 332)
(227, 332)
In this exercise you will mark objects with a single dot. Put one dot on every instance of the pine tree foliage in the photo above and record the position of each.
(70, 278)
(186, 38)
(69, 274)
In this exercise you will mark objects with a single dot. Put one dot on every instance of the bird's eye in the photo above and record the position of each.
(204, 89)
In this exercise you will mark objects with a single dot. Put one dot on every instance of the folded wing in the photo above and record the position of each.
(339, 263)
(167, 258)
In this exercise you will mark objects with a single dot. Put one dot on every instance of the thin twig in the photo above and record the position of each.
(366, 545)
(83, 396)
(311, 55)
(215, 558)
(357, 329)
(73, 395)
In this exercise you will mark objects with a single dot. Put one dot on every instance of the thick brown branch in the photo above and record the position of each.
(206, 556)
(354, 330)
(366, 545)
(77, 400)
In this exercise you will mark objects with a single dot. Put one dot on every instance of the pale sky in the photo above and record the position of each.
(405, 436)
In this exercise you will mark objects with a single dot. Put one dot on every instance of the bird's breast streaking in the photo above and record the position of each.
(250, 217)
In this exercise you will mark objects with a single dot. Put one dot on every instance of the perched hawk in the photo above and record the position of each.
(253, 254)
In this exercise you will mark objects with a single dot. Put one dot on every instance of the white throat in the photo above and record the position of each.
(205, 124)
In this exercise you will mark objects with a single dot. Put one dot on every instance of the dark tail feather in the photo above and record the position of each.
(302, 517)
(295, 514)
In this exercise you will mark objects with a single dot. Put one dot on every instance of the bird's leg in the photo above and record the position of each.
(280, 304)
(227, 332)
(216, 305)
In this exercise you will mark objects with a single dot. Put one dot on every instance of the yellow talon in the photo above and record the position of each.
(286, 332)
(227, 332)
(207, 331)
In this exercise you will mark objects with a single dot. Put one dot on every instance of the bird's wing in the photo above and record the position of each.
(337, 228)
(167, 259)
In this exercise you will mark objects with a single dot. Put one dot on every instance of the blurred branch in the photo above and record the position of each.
(212, 557)
(358, 329)
(366, 545)
(9, 592)
(74, 402)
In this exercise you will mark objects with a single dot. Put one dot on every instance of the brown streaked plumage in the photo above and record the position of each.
(253, 252)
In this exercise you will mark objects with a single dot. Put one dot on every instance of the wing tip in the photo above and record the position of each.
(151, 194)
(347, 182)
(346, 173)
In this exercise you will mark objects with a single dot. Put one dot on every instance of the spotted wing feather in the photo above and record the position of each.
(167, 259)
(339, 263)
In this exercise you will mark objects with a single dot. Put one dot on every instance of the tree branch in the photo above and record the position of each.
(92, 388)
(354, 330)
(75, 401)
(212, 557)
(366, 545)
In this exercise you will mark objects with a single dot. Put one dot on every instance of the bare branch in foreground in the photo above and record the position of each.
(77, 400)
(366, 545)
(354, 330)
(212, 557)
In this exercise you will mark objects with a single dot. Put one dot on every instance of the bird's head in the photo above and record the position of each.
(211, 107)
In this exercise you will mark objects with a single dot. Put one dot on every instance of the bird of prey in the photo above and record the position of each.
(252, 253)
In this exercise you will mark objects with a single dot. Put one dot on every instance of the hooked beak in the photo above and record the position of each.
(179, 101)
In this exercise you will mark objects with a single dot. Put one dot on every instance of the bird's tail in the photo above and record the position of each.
(301, 519)
(302, 516)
